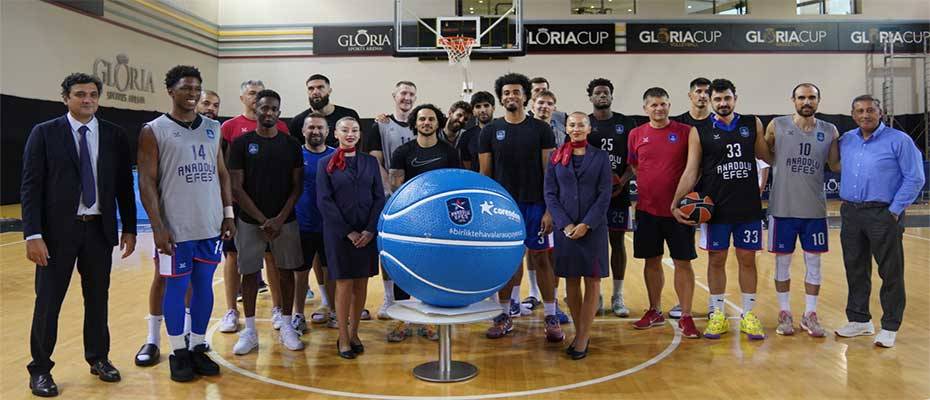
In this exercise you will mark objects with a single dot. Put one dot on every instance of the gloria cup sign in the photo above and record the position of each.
(353, 40)
(586, 38)
(677, 37)
(124, 81)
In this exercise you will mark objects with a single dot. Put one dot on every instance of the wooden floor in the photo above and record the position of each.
(623, 362)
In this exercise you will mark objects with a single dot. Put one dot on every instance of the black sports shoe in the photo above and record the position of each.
(182, 369)
(203, 365)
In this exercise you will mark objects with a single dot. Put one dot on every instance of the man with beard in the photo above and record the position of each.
(514, 151)
(482, 106)
(699, 111)
(318, 92)
(387, 134)
(609, 131)
(451, 132)
(266, 167)
(798, 146)
(722, 156)
(209, 104)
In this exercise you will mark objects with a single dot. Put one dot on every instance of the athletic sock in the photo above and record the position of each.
(549, 309)
(177, 342)
(250, 323)
(196, 340)
(388, 291)
(618, 288)
(717, 303)
(515, 293)
(783, 301)
(324, 298)
(534, 286)
(187, 320)
(810, 303)
(154, 336)
(749, 301)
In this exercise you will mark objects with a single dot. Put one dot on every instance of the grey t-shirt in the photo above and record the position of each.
(387, 137)
(797, 190)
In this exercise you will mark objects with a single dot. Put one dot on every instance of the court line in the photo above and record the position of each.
(10, 244)
(916, 237)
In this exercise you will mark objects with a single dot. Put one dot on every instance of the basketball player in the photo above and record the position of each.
(452, 130)
(149, 353)
(609, 131)
(482, 105)
(425, 153)
(514, 151)
(723, 156)
(386, 136)
(318, 92)
(539, 84)
(658, 152)
(266, 167)
(186, 193)
(696, 116)
(209, 104)
(232, 130)
(311, 228)
(798, 146)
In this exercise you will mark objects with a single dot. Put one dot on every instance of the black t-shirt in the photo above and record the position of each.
(611, 136)
(516, 152)
(467, 145)
(728, 170)
(687, 119)
(296, 125)
(415, 160)
(268, 165)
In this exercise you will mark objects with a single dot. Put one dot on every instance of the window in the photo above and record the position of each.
(828, 7)
(604, 7)
(720, 7)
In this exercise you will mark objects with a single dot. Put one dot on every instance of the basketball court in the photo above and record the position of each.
(453, 49)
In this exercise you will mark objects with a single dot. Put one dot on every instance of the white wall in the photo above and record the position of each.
(42, 43)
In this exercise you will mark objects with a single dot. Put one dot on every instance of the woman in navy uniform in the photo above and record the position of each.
(577, 192)
(350, 196)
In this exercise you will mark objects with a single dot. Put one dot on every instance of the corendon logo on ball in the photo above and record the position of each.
(487, 207)
(459, 210)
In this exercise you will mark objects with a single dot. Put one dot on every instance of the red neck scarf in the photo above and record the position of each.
(339, 159)
(564, 154)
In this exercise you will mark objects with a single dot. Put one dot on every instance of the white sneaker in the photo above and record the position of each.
(885, 338)
(525, 310)
(382, 311)
(230, 322)
(248, 341)
(299, 323)
(276, 318)
(853, 329)
(290, 339)
(619, 309)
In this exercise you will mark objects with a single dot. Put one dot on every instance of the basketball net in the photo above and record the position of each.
(458, 48)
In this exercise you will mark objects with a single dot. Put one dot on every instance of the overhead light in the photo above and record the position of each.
(629, 10)
(689, 6)
(480, 1)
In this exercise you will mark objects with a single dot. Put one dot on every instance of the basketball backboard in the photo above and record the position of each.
(496, 25)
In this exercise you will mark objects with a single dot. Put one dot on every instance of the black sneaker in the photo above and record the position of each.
(202, 363)
(181, 366)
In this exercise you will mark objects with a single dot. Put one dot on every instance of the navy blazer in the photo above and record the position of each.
(51, 186)
(350, 203)
(583, 197)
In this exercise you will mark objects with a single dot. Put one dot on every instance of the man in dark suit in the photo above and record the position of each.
(76, 170)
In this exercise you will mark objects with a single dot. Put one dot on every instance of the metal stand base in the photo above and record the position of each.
(458, 371)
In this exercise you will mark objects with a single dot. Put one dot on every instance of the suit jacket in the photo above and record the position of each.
(584, 196)
(349, 202)
(51, 186)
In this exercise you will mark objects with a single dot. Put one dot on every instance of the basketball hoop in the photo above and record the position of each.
(458, 48)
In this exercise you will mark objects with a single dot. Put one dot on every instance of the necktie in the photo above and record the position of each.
(88, 186)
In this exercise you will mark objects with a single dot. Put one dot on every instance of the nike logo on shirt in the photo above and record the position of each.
(417, 163)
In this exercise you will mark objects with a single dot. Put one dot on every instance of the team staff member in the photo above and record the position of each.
(577, 191)
(76, 169)
(350, 197)
(882, 175)
(318, 92)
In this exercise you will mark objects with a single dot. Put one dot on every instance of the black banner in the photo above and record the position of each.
(353, 40)
(677, 37)
(907, 38)
(582, 38)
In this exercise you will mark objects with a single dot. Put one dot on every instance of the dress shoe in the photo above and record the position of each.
(148, 355)
(105, 371)
(344, 354)
(579, 354)
(43, 385)
(357, 348)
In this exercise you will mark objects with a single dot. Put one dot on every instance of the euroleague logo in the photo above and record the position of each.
(459, 210)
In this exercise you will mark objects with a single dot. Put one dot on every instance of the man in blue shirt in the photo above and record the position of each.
(881, 174)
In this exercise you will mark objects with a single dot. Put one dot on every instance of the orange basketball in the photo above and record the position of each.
(696, 207)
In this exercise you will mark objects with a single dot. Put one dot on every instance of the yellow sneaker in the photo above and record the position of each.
(751, 326)
(717, 325)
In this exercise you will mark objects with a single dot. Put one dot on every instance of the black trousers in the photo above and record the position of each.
(870, 230)
(92, 252)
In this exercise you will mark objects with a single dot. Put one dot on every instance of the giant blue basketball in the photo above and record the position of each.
(451, 237)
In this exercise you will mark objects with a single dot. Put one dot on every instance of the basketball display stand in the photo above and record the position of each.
(443, 370)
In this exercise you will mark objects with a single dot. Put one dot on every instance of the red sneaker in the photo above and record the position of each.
(553, 329)
(651, 319)
(688, 330)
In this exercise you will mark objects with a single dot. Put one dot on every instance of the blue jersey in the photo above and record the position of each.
(308, 215)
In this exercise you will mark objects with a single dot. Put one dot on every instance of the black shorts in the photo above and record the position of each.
(651, 231)
(312, 245)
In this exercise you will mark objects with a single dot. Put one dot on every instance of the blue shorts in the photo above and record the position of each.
(186, 254)
(784, 233)
(746, 236)
(619, 219)
(532, 220)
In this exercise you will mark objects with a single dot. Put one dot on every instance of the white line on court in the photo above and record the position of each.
(916, 237)
(10, 244)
